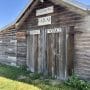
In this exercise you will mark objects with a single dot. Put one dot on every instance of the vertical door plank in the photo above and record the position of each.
(43, 51)
(49, 61)
(32, 53)
(36, 53)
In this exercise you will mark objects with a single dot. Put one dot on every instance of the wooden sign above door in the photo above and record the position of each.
(34, 32)
(53, 30)
(44, 20)
(45, 11)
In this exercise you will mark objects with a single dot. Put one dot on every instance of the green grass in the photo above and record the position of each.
(12, 78)
(7, 84)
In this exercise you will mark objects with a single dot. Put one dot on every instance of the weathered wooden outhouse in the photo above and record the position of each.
(50, 37)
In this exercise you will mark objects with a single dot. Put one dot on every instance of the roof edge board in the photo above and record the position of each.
(7, 26)
(25, 8)
(77, 4)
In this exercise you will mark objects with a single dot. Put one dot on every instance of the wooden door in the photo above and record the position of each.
(55, 52)
(34, 49)
(46, 49)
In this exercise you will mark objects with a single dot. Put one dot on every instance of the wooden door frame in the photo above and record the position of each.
(70, 51)
(66, 30)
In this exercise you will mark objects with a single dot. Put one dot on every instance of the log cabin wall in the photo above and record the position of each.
(49, 63)
(2, 47)
(8, 47)
(82, 49)
(21, 47)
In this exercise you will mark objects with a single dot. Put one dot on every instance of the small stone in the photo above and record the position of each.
(22, 77)
(54, 82)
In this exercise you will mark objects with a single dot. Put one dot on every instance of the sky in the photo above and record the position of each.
(10, 9)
